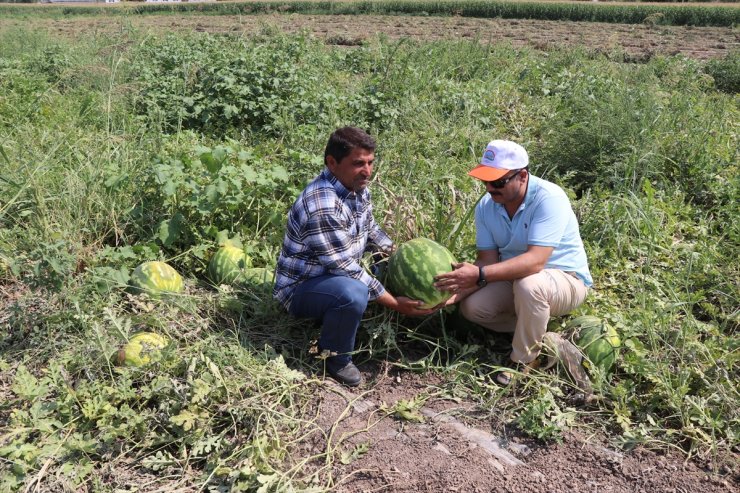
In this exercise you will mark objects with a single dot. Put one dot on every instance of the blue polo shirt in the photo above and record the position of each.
(545, 218)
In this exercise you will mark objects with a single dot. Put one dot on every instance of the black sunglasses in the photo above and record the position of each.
(501, 183)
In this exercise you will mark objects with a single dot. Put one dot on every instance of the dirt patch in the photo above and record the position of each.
(636, 42)
(385, 453)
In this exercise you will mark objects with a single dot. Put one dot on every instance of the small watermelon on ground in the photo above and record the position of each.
(412, 267)
(227, 265)
(156, 278)
(259, 279)
(598, 340)
(259, 276)
(143, 348)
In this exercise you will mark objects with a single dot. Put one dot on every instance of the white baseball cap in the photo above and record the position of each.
(500, 157)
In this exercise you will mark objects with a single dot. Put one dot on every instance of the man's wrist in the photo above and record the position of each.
(481, 277)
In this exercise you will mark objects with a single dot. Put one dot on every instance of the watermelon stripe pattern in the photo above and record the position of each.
(227, 265)
(598, 340)
(412, 268)
(155, 278)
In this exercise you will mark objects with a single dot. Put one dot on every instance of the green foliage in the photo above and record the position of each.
(543, 417)
(207, 84)
(194, 194)
(206, 406)
(726, 72)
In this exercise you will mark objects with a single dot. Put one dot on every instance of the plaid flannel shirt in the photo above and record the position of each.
(329, 228)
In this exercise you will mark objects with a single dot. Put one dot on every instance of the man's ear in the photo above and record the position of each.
(331, 163)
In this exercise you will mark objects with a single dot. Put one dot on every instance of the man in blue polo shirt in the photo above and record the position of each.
(531, 263)
(330, 226)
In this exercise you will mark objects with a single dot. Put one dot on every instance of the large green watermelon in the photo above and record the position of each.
(155, 278)
(412, 267)
(141, 349)
(598, 340)
(227, 265)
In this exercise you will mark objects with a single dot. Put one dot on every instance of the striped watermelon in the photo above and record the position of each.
(598, 340)
(227, 265)
(412, 267)
(141, 349)
(156, 278)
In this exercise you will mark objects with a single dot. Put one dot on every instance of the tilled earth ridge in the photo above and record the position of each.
(635, 42)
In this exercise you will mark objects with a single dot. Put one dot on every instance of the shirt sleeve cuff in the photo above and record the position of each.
(376, 289)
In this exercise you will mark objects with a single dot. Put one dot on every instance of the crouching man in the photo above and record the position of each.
(330, 226)
(531, 262)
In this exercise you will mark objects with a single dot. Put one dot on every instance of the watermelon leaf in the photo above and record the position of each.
(171, 229)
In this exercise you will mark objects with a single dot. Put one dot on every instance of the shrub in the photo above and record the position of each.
(726, 72)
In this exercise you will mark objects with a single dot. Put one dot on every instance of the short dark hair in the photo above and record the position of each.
(343, 140)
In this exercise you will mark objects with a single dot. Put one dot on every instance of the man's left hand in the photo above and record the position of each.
(463, 278)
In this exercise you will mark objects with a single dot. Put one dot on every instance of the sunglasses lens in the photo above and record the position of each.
(501, 182)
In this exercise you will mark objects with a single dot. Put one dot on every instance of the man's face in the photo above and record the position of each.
(512, 191)
(355, 170)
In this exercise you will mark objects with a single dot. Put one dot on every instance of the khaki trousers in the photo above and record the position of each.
(524, 307)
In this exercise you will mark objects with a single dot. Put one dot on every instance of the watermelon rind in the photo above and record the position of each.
(156, 278)
(412, 267)
(143, 348)
(583, 321)
(600, 344)
(227, 265)
(259, 276)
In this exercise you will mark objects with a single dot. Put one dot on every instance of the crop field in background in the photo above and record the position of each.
(630, 42)
(129, 138)
(629, 13)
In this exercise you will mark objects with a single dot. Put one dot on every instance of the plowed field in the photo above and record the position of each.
(635, 42)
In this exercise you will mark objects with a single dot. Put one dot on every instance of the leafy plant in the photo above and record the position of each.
(726, 72)
(203, 191)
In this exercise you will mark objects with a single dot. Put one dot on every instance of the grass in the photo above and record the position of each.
(105, 144)
(627, 13)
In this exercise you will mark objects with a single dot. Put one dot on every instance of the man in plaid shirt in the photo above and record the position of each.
(329, 228)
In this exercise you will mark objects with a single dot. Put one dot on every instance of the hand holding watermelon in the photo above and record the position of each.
(411, 272)
(461, 281)
(406, 306)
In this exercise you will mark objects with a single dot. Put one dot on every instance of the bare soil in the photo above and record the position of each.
(636, 42)
(452, 451)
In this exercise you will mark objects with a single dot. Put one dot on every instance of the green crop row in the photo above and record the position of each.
(589, 12)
